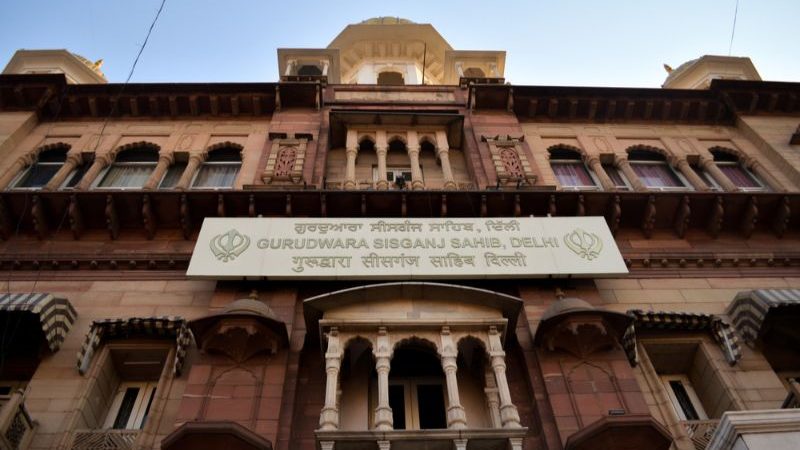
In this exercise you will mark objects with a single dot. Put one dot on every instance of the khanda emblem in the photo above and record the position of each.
(227, 246)
(584, 244)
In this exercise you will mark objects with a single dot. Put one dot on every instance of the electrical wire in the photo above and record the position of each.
(733, 28)
(130, 74)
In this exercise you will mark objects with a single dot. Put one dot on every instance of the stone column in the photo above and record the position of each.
(325, 64)
(21, 163)
(492, 399)
(633, 179)
(686, 169)
(597, 167)
(164, 161)
(383, 355)
(329, 417)
(456, 417)
(764, 174)
(710, 166)
(195, 159)
(443, 153)
(381, 149)
(290, 67)
(460, 444)
(100, 163)
(351, 149)
(73, 161)
(413, 156)
(508, 412)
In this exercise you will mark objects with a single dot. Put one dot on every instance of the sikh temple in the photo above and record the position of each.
(395, 247)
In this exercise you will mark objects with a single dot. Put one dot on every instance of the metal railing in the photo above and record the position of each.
(700, 431)
(104, 439)
(16, 425)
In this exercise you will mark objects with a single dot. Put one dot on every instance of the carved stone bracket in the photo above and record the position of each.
(75, 217)
(148, 217)
(186, 217)
(682, 217)
(38, 217)
(750, 219)
(782, 216)
(5, 221)
(717, 217)
(285, 161)
(510, 160)
(112, 220)
(649, 219)
(614, 214)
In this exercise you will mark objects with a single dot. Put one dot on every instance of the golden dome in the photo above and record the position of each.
(95, 66)
(385, 20)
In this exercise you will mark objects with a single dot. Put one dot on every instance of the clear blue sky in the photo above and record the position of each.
(549, 42)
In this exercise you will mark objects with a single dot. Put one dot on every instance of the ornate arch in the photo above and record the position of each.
(738, 154)
(146, 145)
(416, 338)
(648, 148)
(565, 148)
(223, 145)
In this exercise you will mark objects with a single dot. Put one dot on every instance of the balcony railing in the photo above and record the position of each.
(433, 439)
(16, 426)
(104, 439)
(700, 431)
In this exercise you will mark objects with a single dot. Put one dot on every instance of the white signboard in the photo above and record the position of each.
(404, 249)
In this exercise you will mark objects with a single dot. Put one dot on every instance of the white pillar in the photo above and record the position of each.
(443, 153)
(324, 64)
(290, 67)
(329, 417)
(351, 149)
(508, 412)
(492, 399)
(413, 156)
(381, 149)
(383, 356)
(456, 417)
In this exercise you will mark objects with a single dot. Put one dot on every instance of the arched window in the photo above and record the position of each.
(131, 168)
(569, 169)
(474, 72)
(47, 163)
(417, 393)
(309, 70)
(651, 167)
(391, 78)
(219, 169)
(731, 166)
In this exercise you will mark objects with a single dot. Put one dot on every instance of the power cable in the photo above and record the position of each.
(733, 28)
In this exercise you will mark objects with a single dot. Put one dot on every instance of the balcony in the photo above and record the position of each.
(700, 431)
(16, 426)
(104, 439)
(435, 439)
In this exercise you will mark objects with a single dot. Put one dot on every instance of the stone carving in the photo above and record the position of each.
(286, 159)
(510, 160)
(512, 163)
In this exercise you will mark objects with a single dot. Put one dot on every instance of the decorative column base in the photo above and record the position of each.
(460, 444)
(450, 185)
(329, 419)
(456, 417)
(510, 416)
(382, 185)
(383, 418)
(417, 185)
(515, 443)
(384, 445)
(350, 185)
(326, 445)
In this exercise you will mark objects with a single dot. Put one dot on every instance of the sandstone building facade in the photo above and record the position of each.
(108, 344)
